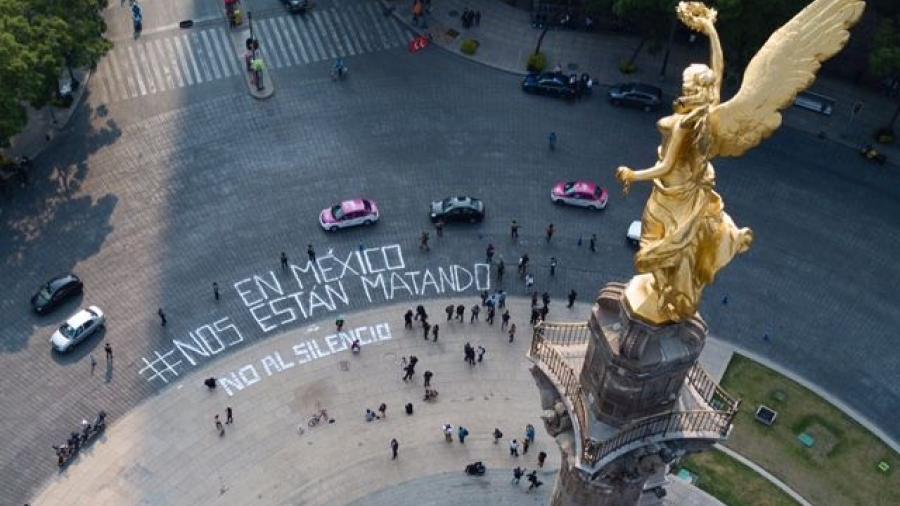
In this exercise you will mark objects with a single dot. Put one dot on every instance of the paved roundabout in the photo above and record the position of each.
(152, 202)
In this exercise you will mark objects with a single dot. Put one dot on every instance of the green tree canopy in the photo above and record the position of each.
(37, 39)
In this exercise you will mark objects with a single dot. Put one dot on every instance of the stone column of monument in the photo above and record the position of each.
(628, 397)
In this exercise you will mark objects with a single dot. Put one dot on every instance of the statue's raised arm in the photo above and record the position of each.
(785, 66)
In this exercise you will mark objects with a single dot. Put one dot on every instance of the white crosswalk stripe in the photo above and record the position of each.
(157, 65)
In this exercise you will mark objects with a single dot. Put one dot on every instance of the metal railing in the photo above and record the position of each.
(717, 420)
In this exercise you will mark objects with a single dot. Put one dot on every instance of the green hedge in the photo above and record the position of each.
(469, 46)
(537, 62)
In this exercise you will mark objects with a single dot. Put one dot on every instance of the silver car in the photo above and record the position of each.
(77, 328)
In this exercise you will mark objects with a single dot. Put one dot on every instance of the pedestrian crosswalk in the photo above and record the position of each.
(154, 66)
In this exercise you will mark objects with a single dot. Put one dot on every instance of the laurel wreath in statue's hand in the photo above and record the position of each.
(696, 16)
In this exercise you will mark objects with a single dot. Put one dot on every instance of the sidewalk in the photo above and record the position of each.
(506, 39)
(168, 452)
(44, 124)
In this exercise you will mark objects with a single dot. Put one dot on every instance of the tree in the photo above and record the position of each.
(884, 60)
(38, 38)
(650, 18)
(745, 25)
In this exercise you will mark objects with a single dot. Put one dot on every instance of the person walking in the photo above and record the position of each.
(215, 290)
(490, 316)
(518, 472)
(409, 371)
(162, 317)
(109, 356)
(533, 480)
(525, 444)
(425, 329)
(550, 231)
(572, 295)
(284, 261)
(423, 241)
(395, 447)
(529, 281)
(529, 433)
(545, 299)
(481, 352)
(383, 410)
(311, 253)
(434, 333)
(504, 319)
(449, 311)
(542, 456)
(514, 448)
(593, 243)
(448, 432)
(339, 323)
(439, 228)
(514, 229)
(535, 314)
(552, 266)
(475, 310)
(462, 432)
(552, 139)
(501, 299)
(428, 375)
(408, 319)
(219, 426)
(229, 417)
(501, 267)
(512, 332)
(460, 311)
(497, 435)
(489, 253)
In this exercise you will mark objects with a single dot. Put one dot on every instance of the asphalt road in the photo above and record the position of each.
(152, 199)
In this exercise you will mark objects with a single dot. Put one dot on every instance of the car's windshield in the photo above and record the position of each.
(569, 186)
(45, 294)
(445, 204)
(66, 330)
(337, 212)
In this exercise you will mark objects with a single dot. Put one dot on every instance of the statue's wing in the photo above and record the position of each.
(786, 65)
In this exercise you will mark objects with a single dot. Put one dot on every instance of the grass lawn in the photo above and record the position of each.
(732, 482)
(841, 468)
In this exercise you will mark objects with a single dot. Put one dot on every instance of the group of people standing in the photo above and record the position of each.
(470, 18)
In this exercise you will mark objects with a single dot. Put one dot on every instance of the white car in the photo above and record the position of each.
(634, 233)
(77, 328)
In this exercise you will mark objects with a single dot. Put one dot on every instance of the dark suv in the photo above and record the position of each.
(550, 83)
(642, 96)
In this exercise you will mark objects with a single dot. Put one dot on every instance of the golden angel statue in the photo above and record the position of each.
(686, 235)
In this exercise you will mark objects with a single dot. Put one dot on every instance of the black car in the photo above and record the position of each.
(297, 6)
(555, 84)
(642, 96)
(457, 209)
(53, 292)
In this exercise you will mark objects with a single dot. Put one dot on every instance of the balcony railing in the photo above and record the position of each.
(714, 422)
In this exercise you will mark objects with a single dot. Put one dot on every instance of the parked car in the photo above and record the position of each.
(641, 96)
(349, 213)
(457, 209)
(53, 292)
(579, 193)
(77, 328)
(555, 84)
(634, 233)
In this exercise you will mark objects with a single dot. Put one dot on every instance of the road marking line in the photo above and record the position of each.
(221, 51)
(170, 52)
(136, 68)
(267, 41)
(289, 42)
(338, 34)
(185, 68)
(201, 57)
(373, 17)
(314, 46)
(279, 43)
(317, 23)
(295, 35)
(170, 81)
(124, 76)
(210, 55)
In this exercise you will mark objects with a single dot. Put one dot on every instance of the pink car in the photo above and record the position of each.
(349, 213)
(579, 193)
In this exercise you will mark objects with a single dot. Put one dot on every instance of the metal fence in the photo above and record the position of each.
(717, 420)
